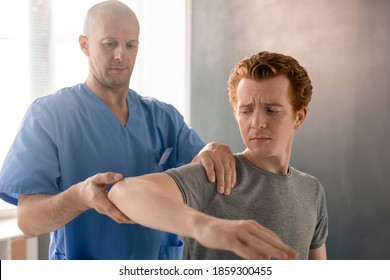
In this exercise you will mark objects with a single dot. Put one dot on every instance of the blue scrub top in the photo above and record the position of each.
(71, 135)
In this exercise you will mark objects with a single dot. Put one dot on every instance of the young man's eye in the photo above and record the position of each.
(246, 111)
(272, 111)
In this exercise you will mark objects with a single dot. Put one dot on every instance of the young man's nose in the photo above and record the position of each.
(258, 121)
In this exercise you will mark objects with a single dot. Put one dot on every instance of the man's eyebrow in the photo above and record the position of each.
(273, 104)
(113, 38)
(246, 105)
(264, 104)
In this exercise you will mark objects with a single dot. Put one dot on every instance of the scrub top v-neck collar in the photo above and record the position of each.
(130, 106)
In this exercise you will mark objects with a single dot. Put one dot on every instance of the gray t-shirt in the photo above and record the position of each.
(292, 205)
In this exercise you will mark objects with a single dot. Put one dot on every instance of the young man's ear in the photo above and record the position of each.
(83, 42)
(301, 116)
(235, 114)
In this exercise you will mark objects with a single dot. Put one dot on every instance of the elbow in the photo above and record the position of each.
(24, 227)
(25, 222)
(116, 190)
(26, 217)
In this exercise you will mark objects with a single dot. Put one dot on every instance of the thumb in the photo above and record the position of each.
(107, 178)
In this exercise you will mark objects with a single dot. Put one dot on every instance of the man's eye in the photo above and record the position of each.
(246, 112)
(109, 45)
(131, 45)
(272, 111)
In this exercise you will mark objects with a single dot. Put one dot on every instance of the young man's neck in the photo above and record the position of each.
(273, 164)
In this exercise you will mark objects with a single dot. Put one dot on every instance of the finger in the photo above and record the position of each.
(260, 242)
(120, 218)
(272, 243)
(248, 248)
(228, 177)
(208, 165)
(255, 248)
(106, 178)
(229, 171)
(114, 213)
(233, 173)
(221, 176)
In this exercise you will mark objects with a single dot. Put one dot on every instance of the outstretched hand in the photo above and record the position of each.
(218, 162)
(246, 238)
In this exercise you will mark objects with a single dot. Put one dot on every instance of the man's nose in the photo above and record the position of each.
(258, 120)
(119, 52)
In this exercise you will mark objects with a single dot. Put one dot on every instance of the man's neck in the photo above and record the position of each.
(273, 164)
(115, 99)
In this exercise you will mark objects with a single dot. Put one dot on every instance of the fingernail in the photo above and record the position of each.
(117, 176)
(221, 189)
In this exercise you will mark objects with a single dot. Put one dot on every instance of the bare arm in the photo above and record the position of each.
(155, 201)
(218, 161)
(318, 254)
(38, 213)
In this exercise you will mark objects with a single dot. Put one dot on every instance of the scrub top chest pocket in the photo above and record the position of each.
(158, 159)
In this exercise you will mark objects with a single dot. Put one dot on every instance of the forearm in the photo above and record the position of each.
(39, 213)
(155, 201)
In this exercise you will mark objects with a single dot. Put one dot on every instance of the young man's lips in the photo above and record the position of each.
(260, 138)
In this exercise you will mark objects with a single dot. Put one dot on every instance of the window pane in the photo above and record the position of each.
(14, 72)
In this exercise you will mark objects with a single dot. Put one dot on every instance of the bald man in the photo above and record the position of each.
(75, 143)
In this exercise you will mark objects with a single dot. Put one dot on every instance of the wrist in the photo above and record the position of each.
(75, 197)
(199, 223)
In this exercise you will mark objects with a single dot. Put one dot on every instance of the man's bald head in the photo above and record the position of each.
(106, 10)
(111, 43)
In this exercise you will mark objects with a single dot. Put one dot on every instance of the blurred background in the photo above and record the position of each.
(187, 49)
(344, 142)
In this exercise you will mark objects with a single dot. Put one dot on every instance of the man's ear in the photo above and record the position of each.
(235, 114)
(83, 42)
(301, 116)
